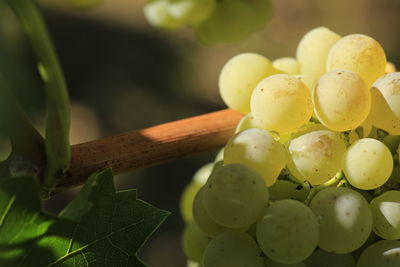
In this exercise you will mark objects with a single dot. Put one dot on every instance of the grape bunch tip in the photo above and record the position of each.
(311, 177)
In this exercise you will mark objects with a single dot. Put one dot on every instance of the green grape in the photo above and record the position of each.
(371, 239)
(245, 123)
(232, 249)
(360, 54)
(283, 189)
(218, 165)
(385, 109)
(313, 49)
(271, 263)
(386, 215)
(194, 242)
(233, 21)
(317, 155)
(345, 219)
(281, 103)
(192, 264)
(256, 148)
(287, 65)
(198, 180)
(207, 225)
(235, 196)
(390, 67)
(191, 12)
(219, 156)
(288, 231)
(367, 164)
(322, 258)
(341, 100)
(156, 13)
(384, 253)
(238, 78)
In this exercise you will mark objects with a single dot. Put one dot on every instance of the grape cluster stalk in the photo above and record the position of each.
(311, 176)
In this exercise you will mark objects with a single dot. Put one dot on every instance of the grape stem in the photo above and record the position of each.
(336, 180)
(151, 146)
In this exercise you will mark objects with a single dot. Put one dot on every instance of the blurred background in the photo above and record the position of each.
(123, 75)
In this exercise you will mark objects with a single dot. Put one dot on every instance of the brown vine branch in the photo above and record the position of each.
(150, 146)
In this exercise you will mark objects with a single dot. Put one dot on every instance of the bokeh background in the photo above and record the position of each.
(123, 74)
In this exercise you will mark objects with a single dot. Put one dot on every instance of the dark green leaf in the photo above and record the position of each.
(99, 228)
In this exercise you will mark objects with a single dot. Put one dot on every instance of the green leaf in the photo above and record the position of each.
(98, 228)
(58, 150)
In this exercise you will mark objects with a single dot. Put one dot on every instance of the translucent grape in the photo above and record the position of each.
(246, 122)
(367, 164)
(318, 155)
(235, 196)
(194, 242)
(202, 219)
(219, 156)
(156, 13)
(239, 77)
(360, 54)
(281, 103)
(385, 110)
(345, 219)
(258, 149)
(271, 263)
(191, 12)
(198, 180)
(288, 231)
(341, 100)
(232, 249)
(283, 189)
(313, 49)
(384, 253)
(322, 258)
(386, 215)
(287, 65)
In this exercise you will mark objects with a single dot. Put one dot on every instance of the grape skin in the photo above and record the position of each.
(235, 196)
(345, 219)
(287, 65)
(322, 258)
(256, 148)
(288, 231)
(386, 215)
(384, 253)
(281, 103)
(283, 189)
(376, 172)
(232, 249)
(194, 242)
(341, 100)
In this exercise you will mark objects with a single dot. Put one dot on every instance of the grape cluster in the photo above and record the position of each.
(311, 177)
(213, 21)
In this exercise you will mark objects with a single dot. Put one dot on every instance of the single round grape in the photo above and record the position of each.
(390, 67)
(232, 249)
(288, 231)
(256, 148)
(345, 219)
(318, 155)
(281, 103)
(312, 51)
(360, 54)
(287, 65)
(194, 242)
(384, 253)
(371, 239)
(283, 189)
(199, 179)
(240, 76)
(156, 13)
(245, 123)
(235, 196)
(385, 109)
(202, 219)
(191, 12)
(386, 215)
(271, 263)
(342, 100)
(322, 258)
(367, 164)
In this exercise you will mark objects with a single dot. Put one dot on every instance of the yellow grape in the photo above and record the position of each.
(360, 54)
(156, 13)
(342, 100)
(313, 49)
(239, 76)
(281, 103)
(287, 65)
(390, 67)
(246, 122)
